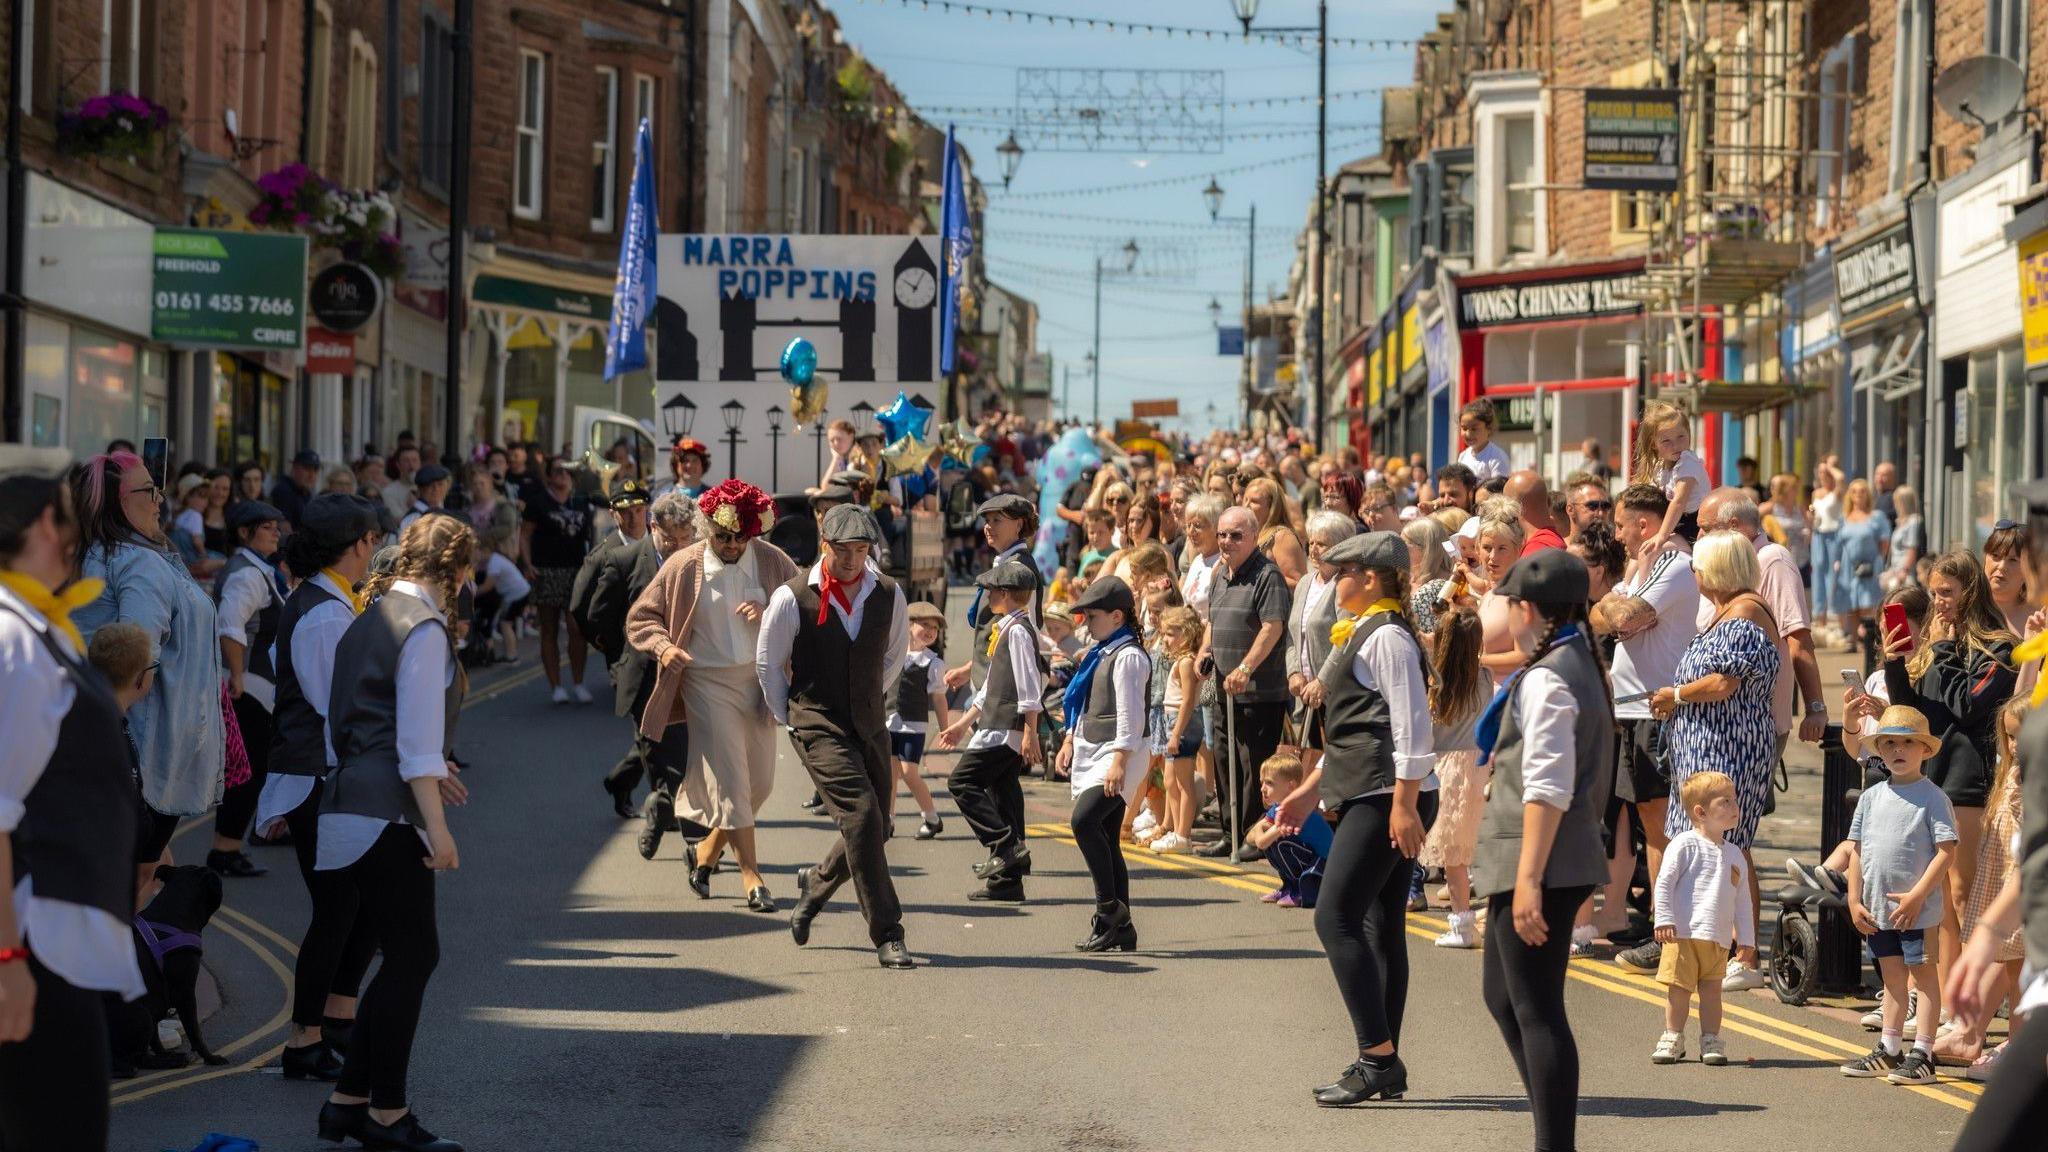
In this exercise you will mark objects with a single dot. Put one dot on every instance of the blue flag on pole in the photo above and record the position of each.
(625, 342)
(956, 239)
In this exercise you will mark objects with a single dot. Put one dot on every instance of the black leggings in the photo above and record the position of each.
(2013, 1112)
(238, 804)
(53, 1085)
(338, 945)
(1362, 920)
(397, 894)
(1524, 989)
(1097, 822)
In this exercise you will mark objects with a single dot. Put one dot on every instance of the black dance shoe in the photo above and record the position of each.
(314, 1061)
(999, 891)
(337, 1032)
(759, 900)
(339, 1122)
(652, 825)
(810, 900)
(1215, 850)
(1111, 930)
(700, 882)
(892, 954)
(407, 1135)
(816, 804)
(1015, 862)
(930, 829)
(622, 800)
(234, 864)
(1363, 1081)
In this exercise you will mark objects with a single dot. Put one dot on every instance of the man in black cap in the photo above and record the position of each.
(1003, 717)
(598, 601)
(429, 494)
(291, 492)
(823, 638)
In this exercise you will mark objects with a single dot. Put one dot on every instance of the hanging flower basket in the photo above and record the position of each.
(355, 222)
(117, 124)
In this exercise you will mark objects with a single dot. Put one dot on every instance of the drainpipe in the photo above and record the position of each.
(16, 374)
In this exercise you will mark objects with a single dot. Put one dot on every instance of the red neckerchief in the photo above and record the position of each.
(830, 589)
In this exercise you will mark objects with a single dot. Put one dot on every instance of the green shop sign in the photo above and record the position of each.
(229, 289)
(526, 296)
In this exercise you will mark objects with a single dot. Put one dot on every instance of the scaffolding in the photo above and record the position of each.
(1724, 245)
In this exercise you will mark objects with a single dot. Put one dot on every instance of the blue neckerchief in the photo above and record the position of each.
(1488, 731)
(1076, 697)
(974, 618)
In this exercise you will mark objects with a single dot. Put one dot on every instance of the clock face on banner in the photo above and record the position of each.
(916, 288)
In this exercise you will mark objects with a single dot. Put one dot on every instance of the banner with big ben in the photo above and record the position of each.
(727, 306)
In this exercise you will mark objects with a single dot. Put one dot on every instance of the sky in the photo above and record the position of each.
(1042, 235)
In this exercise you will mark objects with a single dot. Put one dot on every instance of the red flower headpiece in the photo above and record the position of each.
(683, 444)
(738, 506)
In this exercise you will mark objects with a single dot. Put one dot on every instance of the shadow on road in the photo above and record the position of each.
(1634, 1107)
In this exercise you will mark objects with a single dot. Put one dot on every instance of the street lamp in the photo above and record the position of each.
(818, 445)
(1130, 251)
(863, 418)
(1011, 154)
(1213, 197)
(1246, 11)
(733, 411)
(774, 446)
(677, 416)
(1215, 313)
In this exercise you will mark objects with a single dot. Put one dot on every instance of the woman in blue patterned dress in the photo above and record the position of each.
(1719, 705)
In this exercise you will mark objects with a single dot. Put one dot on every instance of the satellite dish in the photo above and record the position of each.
(1985, 89)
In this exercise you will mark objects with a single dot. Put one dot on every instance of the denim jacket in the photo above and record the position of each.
(177, 727)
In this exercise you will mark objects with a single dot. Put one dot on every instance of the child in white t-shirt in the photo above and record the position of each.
(919, 695)
(1477, 424)
(502, 576)
(1664, 457)
(1702, 900)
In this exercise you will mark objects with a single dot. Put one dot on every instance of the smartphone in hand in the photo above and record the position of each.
(1896, 627)
(156, 459)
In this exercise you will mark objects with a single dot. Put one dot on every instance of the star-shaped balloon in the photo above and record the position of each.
(906, 455)
(902, 418)
(958, 441)
(799, 361)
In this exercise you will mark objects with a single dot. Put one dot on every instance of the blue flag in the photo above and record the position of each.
(956, 239)
(625, 342)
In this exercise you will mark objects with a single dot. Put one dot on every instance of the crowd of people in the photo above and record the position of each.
(1557, 710)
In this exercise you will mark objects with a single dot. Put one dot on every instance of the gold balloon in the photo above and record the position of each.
(808, 403)
(907, 455)
(958, 441)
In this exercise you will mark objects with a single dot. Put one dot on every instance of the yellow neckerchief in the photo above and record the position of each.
(995, 634)
(2026, 654)
(1341, 631)
(348, 589)
(56, 607)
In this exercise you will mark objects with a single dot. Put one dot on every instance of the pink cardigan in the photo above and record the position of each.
(660, 620)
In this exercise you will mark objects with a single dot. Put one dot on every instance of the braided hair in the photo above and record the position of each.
(435, 551)
(1555, 617)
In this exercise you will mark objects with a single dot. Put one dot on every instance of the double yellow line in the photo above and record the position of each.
(1602, 974)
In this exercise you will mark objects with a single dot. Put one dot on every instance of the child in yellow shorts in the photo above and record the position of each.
(1702, 900)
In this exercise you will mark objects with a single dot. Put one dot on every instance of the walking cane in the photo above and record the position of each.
(1236, 798)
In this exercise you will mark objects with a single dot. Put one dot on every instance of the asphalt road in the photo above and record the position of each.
(587, 998)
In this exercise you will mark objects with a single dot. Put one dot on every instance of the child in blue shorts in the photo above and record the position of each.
(1299, 858)
(920, 693)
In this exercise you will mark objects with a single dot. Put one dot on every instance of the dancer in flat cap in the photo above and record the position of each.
(825, 635)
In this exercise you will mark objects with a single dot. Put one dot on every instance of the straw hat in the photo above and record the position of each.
(1906, 722)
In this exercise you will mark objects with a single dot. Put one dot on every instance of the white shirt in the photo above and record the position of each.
(1648, 660)
(1686, 467)
(1195, 583)
(87, 946)
(1702, 892)
(425, 669)
(1488, 463)
(1018, 645)
(243, 596)
(1319, 590)
(192, 524)
(934, 684)
(778, 635)
(314, 640)
(719, 636)
(506, 577)
(1130, 667)
(1548, 715)
(1389, 662)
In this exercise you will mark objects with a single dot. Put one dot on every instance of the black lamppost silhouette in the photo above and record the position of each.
(774, 447)
(863, 418)
(733, 411)
(818, 451)
(678, 415)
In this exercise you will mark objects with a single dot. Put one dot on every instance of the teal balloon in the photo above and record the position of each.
(799, 361)
(902, 418)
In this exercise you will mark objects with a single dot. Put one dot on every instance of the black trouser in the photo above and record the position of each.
(1258, 737)
(1097, 822)
(1362, 916)
(987, 785)
(396, 891)
(159, 828)
(238, 804)
(338, 945)
(858, 787)
(2013, 1112)
(1524, 989)
(53, 1085)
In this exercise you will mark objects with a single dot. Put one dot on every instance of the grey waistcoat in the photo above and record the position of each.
(298, 745)
(1577, 856)
(257, 659)
(1098, 718)
(1358, 727)
(363, 709)
(999, 712)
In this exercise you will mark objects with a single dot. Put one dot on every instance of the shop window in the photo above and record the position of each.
(437, 101)
(103, 396)
(604, 152)
(1909, 93)
(359, 140)
(530, 155)
(317, 88)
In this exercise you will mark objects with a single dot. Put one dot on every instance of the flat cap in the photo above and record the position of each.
(307, 458)
(926, 610)
(847, 524)
(1369, 550)
(631, 493)
(252, 512)
(1010, 576)
(849, 478)
(832, 494)
(1005, 504)
(340, 518)
(1107, 594)
(1552, 577)
(430, 474)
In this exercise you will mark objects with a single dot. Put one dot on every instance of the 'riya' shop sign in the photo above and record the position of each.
(1488, 305)
(728, 304)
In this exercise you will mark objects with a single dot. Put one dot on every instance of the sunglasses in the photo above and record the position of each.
(1597, 505)
(1231, 534)
(719, 537)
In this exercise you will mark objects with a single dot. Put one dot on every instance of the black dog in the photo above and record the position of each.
(167, 949)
